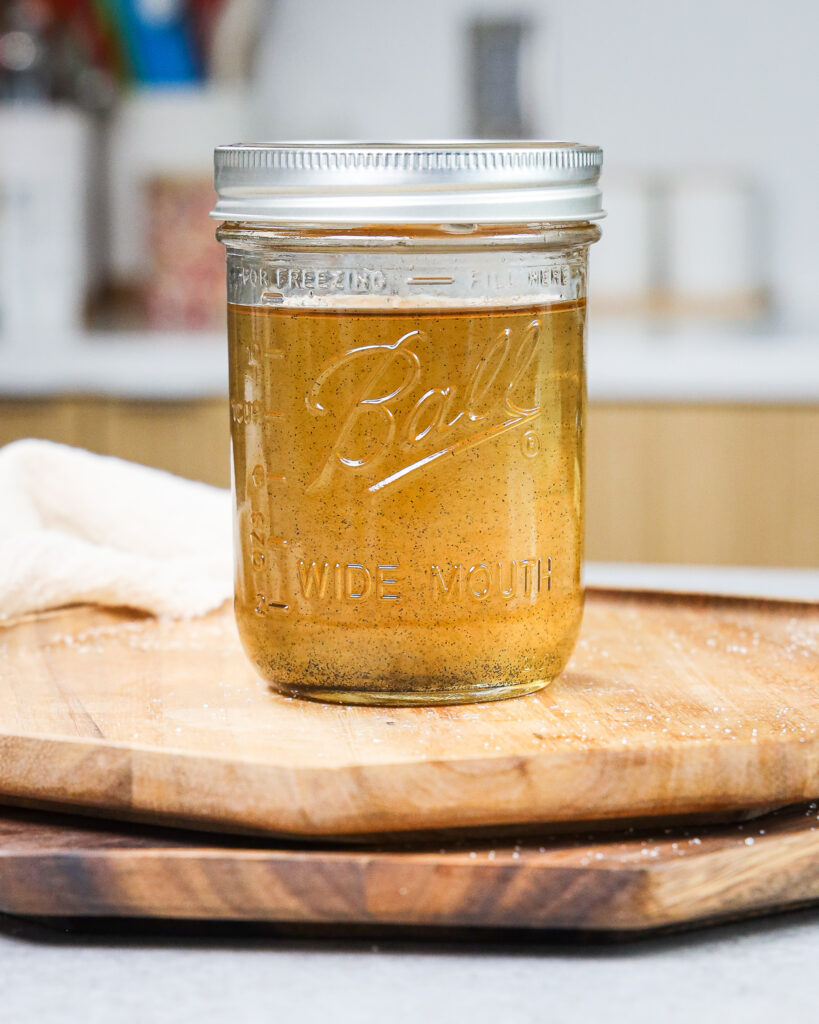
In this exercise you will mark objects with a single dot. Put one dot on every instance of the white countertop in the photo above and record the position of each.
(636, 366)
(734, 580)
(754, 972)
(623, 365)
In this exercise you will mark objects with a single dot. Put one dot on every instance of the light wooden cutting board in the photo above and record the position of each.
(671, 705)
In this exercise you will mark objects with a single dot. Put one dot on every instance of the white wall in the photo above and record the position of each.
(727, 83)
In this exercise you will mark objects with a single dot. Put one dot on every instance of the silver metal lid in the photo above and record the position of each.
(408, 182)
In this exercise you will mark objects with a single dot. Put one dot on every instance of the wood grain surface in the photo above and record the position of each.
(671, 705)
(643, 880)
(703, 484)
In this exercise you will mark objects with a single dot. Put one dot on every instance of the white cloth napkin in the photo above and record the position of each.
(78, 527)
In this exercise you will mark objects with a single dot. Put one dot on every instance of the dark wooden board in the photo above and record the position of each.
(53, 867)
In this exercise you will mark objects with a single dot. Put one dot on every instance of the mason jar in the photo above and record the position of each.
(407, 392)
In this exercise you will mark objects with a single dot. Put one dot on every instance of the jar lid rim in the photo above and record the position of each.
(322, 181)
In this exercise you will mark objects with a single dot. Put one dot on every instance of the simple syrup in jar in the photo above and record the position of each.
(407, 412)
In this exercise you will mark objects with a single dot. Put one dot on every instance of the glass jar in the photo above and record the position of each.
(407, 395)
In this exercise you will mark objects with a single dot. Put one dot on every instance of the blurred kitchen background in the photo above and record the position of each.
(704, 318)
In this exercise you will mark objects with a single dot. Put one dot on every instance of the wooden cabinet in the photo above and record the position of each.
(708, 484)
(185, 437)
(704, 484)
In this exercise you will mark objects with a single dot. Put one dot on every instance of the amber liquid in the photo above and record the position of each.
(409, 493)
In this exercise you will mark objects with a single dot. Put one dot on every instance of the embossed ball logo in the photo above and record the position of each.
(381, 432)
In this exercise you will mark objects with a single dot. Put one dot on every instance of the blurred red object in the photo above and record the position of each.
(186, 287)
(204, 16)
